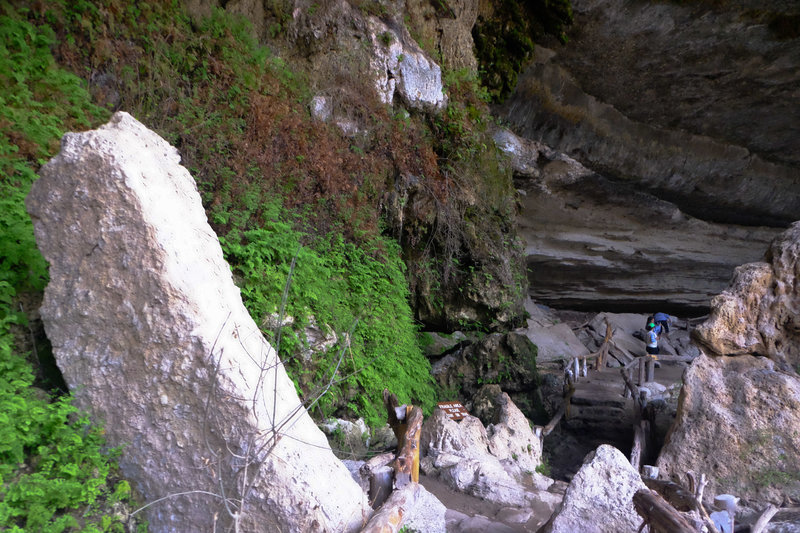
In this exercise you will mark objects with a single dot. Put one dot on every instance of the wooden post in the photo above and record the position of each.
(638, 447)
(641, 371)
(407, 462)
(407, 426)
(660, 515)
(576, 369)
(651, 369)
(379, 474)
(389, 518)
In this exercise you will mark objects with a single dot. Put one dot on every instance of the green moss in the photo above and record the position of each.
(504, 41)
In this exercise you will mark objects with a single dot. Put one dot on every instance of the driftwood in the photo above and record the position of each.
(659, 514)
(406, 422)
(546, 430)
(677, 496)
(761, 524)
(697, 485)
(389, 518)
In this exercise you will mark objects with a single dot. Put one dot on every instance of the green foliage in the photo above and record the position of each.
(504, 42)
(51, 460)
(360, 294)
(53, 470)
(37, 102)
(544, 467)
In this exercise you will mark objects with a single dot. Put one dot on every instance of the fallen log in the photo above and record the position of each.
(659, 515)
(389, 518)
(677, 496)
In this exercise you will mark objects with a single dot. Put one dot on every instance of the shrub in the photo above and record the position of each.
(361, 295)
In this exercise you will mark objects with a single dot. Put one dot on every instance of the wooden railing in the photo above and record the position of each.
(577, 367)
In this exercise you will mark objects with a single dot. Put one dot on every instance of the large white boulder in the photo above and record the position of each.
(153, 340)
(737, 423)
(599, 498)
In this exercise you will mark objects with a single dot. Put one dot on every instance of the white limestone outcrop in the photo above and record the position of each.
(153, 340)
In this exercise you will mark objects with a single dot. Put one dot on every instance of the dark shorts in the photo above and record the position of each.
(664, 325)
(653, 351)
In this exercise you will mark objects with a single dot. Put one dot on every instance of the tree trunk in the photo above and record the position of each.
(660, 515)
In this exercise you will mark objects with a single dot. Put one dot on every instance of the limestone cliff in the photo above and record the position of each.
(738, 412)
(686, 116)
(682, 116)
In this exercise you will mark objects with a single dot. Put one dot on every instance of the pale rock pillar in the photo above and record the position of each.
(152, 337)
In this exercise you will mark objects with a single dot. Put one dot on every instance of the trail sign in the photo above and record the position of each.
(453, 410)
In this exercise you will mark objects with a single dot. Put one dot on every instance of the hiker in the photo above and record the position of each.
(662, 322)
(651, 339)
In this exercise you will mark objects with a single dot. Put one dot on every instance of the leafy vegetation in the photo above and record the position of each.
(340, 288)
(288, 194)
(55, 471)
(504, 42)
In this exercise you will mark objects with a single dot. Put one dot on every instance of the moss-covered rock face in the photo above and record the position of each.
(507, 360)
(504, 38)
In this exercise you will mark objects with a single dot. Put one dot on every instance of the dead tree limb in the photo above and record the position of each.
(761, 524)
(697, 485)
(389, 518)
(660, 515)
(677, 496)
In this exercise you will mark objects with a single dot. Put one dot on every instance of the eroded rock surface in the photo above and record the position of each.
(759, 313)
(508, 359)
(737, 423)
(496, 463)
(687, 115)
(719, 138)
(153, 340)
(599, 498)
(591, 242)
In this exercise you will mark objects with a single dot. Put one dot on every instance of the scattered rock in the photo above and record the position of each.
(349, 440)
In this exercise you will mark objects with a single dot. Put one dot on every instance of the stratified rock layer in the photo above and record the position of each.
(153, 339)
(717, 135)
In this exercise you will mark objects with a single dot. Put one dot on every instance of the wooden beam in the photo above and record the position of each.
(660, 515)
(406, 467)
